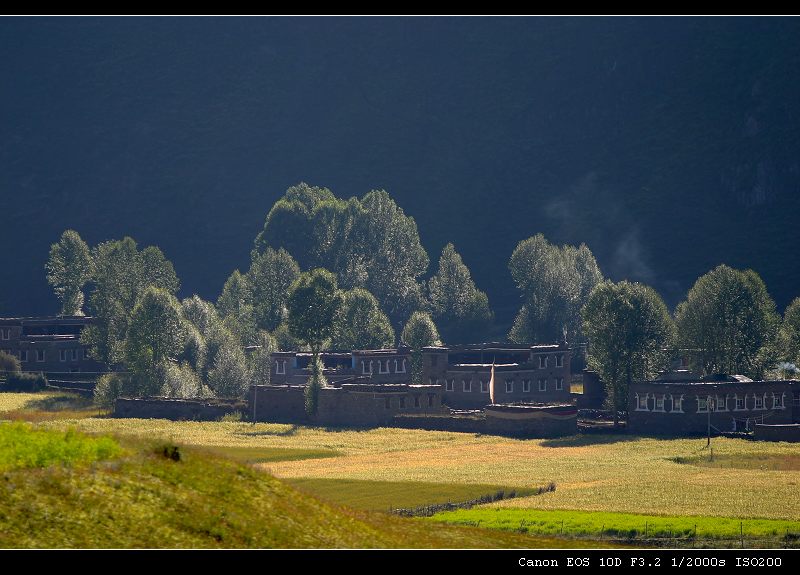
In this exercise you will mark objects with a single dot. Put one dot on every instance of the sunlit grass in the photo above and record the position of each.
(24, 446)
(602, 524)
(47, 406)
(592, 473)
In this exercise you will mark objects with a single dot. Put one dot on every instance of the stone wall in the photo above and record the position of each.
(177, 409)
(356, 405)
(788, 432)
(532, 420)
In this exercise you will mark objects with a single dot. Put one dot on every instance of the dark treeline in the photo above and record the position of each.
(326, 272)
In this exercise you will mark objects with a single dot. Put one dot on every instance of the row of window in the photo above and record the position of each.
(710, 403)
(466, 385)
(401, 401)
(384, 366)
(543, 361)
(40, 354)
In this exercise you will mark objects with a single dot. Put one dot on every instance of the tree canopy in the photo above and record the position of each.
(420, 331)
(368, 242)
(459, 307)
(360, 323)
(314, 302)
(122, 275)
(789, 334)
(69, 267)
(730, 321)
(629, 330)
(555, 282)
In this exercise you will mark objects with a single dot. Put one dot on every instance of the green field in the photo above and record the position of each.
(604, 483)
(623, 525)
(23, 446)
(390, 495)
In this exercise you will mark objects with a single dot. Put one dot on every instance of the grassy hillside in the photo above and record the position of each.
(188, 498)
(592, 473)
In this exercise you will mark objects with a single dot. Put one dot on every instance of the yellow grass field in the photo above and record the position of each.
(608, 473)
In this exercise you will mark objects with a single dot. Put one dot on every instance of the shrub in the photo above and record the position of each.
(9, 363)
(25, 382)
(109, 387)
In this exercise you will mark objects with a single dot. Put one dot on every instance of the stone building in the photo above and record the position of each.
(539, 373)
(356, 404)
(48, 344)
(531, 374)
(684, 405)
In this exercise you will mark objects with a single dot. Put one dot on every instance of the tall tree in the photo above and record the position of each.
(629, 330)
(368, 243)
(68, 269)
(460, 309)
(314, 302)
(555, 282)
(235, 306)
(155, 336)
(270, 276)
(419, 332)
(730, 319)
(789, 334)
(122, 274)
(360, 323)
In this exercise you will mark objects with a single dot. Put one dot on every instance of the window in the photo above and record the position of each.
(449, 385)
(402, 403)
(641, 402)
(23, 355)
(777, 401)
(542, 361)
(400, 366)
(433, 381)
(430, 399)
(560, 360)
(387, 402)
(74, 355)
(280, 367)
(466, 385)
(796, 399)
(659, 406)
(740, 403)
(722, 403)
(5, 333)
(542, 385)
(509, 386)
(759, 402)
(40, 355)
(526, 386)
(380, 366)
(484, 386)
(62, 355)
(677, 404)
(86, 356)
(560, 384)
(702, 404)
(416, 401)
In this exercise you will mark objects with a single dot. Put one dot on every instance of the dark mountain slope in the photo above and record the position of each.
(667, 145)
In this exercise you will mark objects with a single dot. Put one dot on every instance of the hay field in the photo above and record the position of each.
(592, 473)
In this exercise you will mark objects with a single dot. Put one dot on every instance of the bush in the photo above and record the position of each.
(109, 387)
(26, 382)
(9, 363)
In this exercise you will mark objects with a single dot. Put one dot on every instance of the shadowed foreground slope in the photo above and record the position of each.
(149, 500)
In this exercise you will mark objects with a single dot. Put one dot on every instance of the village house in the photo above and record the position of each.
(679, 404)
(48, 344)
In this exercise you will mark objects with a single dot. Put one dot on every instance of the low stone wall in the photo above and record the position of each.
(532, 420)
(457, 423)
(177, 409)
(789, 432)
